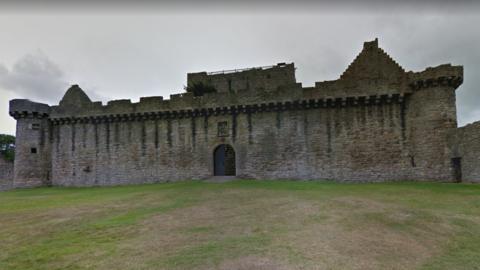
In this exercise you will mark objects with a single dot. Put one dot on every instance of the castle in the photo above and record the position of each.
(377, 122)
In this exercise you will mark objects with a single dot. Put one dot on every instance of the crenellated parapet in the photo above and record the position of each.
(329, 102)
(443, 75)
(268, 78)
(213, 103)
(24, 108)
(372, 78)
(376, 122)
(32, 151)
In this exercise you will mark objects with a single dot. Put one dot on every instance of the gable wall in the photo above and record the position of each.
(375, 123)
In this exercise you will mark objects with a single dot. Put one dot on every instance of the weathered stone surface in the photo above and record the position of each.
(269, 78)
(75, 99)
(6, 174)
(375, 123)
(32, 166)
(465, 144)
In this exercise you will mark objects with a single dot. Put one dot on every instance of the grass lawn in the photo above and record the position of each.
(243, 225)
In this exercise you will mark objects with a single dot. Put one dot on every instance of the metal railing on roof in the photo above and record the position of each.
(245, 69)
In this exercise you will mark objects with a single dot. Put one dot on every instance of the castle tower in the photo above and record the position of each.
(431, 116)
(33, 151)
(377, 122)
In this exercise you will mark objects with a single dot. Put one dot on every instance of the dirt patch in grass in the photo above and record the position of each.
(295, 231)
(254, 262)
(243, 225)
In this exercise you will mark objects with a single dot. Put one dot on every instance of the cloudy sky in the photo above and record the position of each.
(129, 51)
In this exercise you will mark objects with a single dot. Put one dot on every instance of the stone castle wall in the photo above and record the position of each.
(375, 123)
(32, 166)
(268, 78)
(430, 117)
(465, 144)
(374, 140)
(6, 174)
(344, 143)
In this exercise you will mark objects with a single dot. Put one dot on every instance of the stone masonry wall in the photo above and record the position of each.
(430, 116)
(465, 144)
(344, 143)
(262, 78)
(6, 174)
(377, 122)
(32, 153)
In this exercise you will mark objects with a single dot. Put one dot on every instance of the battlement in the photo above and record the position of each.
(372, 74)
(433, 76)
(187, 105)
(370, 124)
(267, 78)
(23, 108)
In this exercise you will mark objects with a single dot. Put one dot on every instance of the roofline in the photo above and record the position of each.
(283, 64)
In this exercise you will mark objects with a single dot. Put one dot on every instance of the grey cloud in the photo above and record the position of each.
(460, 48)
(34, 76)
(3, 70)
(369, 6)
(134, 55)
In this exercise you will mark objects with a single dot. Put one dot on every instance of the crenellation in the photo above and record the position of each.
(23, 108)
(182, 113)
(443, 75)
(376, 122)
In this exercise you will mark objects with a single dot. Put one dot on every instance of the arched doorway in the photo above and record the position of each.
(224, 160)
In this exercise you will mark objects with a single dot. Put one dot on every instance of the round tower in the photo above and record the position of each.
(32, 144)
(430, 116)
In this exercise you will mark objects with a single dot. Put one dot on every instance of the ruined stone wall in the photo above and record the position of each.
(465, 144)
(431, 115)
(129, 152)
(300, 134)
(375, 123)
(430, 118)
(32, 143)
(351, 143)
(32, 153)
(263, 78)
(6, 174)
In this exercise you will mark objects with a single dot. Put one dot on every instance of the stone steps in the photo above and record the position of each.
(220, 179)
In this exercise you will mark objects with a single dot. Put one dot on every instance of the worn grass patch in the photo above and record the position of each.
(243, 225)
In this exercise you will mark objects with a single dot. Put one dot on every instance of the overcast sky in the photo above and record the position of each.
(129, 51)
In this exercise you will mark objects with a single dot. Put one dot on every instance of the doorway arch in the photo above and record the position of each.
(224, 160)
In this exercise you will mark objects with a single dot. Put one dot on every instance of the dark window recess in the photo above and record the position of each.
(33, 150)
(457, 168)
(412, 161)
(269, 76)
(230, 85)
(35, 126)
(222, 129)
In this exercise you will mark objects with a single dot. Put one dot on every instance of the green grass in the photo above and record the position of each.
(243, 225)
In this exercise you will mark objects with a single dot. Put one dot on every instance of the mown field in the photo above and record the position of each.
(243, 225)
